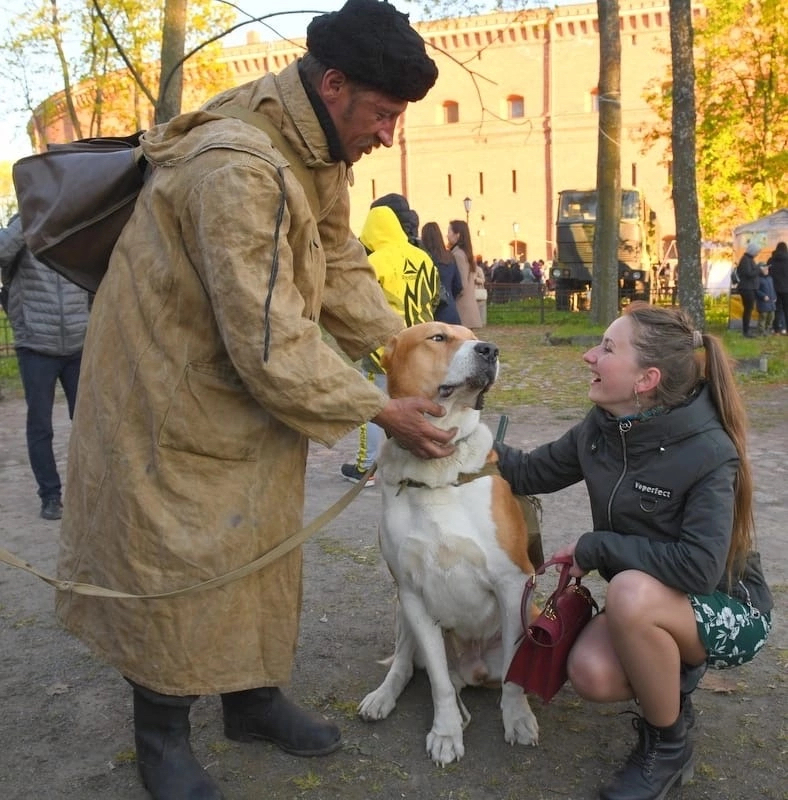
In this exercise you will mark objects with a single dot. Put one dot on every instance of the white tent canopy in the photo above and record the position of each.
(766, 231)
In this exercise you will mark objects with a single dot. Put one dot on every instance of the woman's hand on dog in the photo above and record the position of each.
(404, 419)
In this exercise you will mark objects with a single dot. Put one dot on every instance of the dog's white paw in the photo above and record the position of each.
(377, 705)
(445, 748)
(519, 724)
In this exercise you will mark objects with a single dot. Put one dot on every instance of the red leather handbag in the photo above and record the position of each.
(539, 662)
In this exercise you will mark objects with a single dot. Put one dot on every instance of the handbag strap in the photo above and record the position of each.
(530, 585)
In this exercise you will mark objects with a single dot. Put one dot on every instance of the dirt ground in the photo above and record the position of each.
(66, 722)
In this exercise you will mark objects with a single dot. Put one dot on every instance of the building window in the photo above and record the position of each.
(374, 190)
(481, 183)
(634, 175)
(451, 111)
(516, 106)
(514, 181)
(448, 184)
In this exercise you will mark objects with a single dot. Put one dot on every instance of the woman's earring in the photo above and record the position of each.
(637, 398)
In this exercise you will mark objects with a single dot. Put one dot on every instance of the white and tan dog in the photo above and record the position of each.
(455, 542)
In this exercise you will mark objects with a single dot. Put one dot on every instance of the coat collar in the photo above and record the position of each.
(696, 415)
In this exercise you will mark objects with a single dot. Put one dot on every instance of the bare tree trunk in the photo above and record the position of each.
(685, 190)
(608, 169)
(173, 45)
(57, 36)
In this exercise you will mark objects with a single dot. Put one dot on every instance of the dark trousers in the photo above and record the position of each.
(40, 374)
(781, 314)
(748, 304)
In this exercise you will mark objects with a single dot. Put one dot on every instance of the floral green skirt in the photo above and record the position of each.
(731, 631)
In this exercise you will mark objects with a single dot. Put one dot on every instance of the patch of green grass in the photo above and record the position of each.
(536, 372)
(368, 554)
(10, 381)
(348, 708)
(25, 622)
(125, 757)
(307, 782)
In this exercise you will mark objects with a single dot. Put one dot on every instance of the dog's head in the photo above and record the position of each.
(443, 363)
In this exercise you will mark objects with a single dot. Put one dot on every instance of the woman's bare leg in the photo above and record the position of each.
(636, 647)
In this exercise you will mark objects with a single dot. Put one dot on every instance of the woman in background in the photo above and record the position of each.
(451, 282)
(459, 238)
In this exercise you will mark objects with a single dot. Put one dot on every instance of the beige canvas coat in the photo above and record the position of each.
(204, 376)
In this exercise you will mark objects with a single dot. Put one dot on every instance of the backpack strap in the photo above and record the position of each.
(300, 170)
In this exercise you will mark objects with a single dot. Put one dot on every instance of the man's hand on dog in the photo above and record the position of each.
(404, 419)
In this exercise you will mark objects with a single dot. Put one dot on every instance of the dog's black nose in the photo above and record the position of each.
(487, 350)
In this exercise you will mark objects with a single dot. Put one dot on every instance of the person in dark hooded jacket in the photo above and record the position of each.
(747, 273)
(778, 269)
(663, 457)
(451, 282)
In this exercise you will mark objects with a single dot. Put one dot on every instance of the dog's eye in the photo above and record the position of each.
(438, 337)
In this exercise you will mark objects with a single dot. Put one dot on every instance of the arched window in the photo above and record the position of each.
(451, 111)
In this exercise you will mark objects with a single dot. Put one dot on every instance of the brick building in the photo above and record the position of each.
(511, 121)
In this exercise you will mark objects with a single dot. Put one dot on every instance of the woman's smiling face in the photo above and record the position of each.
(615, 372)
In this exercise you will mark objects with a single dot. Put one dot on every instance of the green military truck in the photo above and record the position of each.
(638, 246)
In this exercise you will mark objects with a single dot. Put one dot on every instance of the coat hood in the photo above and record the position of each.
(281, 97)
(382, 229)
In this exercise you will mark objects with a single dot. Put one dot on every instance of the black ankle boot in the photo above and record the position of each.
(690, 678)
(267, 714)
(661, 757)
(165, 761)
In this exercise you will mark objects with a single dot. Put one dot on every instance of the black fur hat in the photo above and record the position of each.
(373, 44)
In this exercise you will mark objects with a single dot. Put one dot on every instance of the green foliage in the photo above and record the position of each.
(65, 43)
(742, 87)
(741, 95)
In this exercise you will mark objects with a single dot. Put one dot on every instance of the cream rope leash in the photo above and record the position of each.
(247, 569)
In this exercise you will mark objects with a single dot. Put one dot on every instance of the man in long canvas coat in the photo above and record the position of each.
(205, 376)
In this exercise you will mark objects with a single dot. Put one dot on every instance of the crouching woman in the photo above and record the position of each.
(663, 456)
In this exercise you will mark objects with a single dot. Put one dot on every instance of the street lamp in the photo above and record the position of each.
(467, 203)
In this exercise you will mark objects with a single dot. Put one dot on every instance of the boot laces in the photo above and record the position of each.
(644, 753)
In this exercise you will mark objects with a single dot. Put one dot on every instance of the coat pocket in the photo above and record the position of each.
(211, 414)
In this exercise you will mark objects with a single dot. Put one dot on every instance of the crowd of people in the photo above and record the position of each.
(205, 376)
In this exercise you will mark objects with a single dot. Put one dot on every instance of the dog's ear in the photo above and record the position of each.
(388, 353)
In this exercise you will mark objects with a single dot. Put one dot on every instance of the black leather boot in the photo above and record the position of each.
(267, 714)
(690, 678)
(165, 761)
(661, 757)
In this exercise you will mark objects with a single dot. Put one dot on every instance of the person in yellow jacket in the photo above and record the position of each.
(411, 284)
